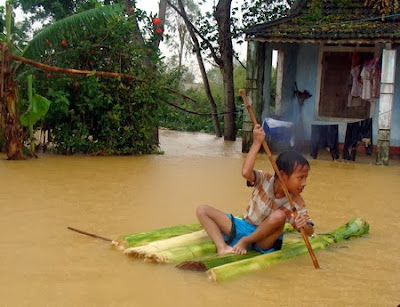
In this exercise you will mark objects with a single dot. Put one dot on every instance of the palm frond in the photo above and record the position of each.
(68, 28)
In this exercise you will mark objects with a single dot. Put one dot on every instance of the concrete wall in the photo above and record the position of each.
(306, 79)
(304, 73)
(301, 66)
(289, 77)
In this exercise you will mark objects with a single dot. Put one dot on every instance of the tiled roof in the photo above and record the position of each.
(329, 21)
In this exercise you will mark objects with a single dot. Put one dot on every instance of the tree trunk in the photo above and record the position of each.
(13, 132)
(143, 238)
(196, 44)
(355, 228)
(222, 15)
(182, 34)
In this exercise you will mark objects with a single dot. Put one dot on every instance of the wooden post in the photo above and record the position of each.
(385, 104)
(254, 77)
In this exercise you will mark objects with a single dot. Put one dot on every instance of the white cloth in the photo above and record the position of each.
(274, 123)
(366, 76)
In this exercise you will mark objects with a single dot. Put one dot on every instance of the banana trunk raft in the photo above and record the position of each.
(188, 247)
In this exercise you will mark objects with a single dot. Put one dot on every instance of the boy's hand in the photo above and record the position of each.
(258, 134)
(300, 221)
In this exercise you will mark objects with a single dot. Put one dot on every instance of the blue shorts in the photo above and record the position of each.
(241, 228)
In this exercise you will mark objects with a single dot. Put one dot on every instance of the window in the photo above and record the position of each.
(336, 83)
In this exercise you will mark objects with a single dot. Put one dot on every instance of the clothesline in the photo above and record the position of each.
(365, 80)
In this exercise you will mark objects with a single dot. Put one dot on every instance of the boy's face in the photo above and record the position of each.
(296, 182)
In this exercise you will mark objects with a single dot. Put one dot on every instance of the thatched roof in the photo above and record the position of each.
(339, 21)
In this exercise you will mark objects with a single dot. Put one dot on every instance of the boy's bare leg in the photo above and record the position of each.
(215, 222)
(265, 235)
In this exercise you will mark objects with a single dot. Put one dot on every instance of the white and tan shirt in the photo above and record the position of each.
(263, 201)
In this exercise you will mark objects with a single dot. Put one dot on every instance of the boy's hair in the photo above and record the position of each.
(288, 160)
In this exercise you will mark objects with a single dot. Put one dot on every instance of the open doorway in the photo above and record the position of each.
(340, 71)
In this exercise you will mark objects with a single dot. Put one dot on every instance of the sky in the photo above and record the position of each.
(152, 6)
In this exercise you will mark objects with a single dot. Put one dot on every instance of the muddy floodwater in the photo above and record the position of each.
(44, 264)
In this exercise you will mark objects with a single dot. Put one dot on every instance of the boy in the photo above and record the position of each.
(262, 224)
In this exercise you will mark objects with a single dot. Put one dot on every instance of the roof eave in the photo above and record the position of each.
(326, 40)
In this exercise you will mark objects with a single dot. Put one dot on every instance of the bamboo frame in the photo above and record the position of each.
(242, 93)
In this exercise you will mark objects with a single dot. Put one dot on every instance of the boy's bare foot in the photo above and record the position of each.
(225, 250)
(241, 247)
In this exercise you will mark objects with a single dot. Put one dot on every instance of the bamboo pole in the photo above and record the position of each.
(285, 190)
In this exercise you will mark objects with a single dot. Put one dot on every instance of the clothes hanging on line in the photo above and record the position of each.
(366, 77)
(324, 136)
(376, 78)
(357, 86)
(358, 133)
(365, 82)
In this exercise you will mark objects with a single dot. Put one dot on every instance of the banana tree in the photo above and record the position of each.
(67, 28)
(37, 109)
(13, 134)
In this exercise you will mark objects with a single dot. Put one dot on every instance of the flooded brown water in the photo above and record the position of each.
(44, 264)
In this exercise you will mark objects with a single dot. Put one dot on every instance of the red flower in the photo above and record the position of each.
(132, 9)
(156, 21)
(158, 30)
(64, 43)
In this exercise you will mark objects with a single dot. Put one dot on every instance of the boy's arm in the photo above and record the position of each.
(248, 165)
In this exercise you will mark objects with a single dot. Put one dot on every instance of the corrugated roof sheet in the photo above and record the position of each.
(329, 20)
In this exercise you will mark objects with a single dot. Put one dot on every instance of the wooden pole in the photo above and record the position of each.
(89, 234)
(277, 172)
(3, 46)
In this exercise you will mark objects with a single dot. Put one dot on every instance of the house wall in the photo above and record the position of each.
(301, 66)
(307, 79)
(306, 74)
(289, 77)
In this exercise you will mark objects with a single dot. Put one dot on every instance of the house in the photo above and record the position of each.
(323, 47)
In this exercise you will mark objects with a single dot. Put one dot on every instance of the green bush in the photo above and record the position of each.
(106, 116)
